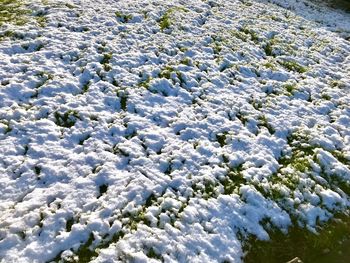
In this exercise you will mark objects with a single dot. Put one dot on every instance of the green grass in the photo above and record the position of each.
(268, 49)
(290, 88)
(85, 253)
(123, 99)
(301, 155)
(42, 20)
(293, 66)
(269, 65)
(221, 138)
(153, 254)
(253, 35)
(124, 18)
(331, 244)
(66, 119)
(69, 224)
(105, 61)
(263, 122)
(13, 12)
(166, 20)
(239, 35)
(168, 72)
(233, 180)
(88, 250)
(145, 83)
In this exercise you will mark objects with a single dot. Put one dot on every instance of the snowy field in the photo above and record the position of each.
(148, 131)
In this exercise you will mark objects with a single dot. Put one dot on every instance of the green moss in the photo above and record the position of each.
(165, 21)
(11, 34)
(205, 188)
(167, 73)
(209, 190)
(43, 77)
(337, 84)
(217, 48)
(243, 118)
(325, 96)
(85, 87)
(145, 83)
(86, 252)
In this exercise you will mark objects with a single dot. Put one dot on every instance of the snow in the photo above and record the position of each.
(175, 143)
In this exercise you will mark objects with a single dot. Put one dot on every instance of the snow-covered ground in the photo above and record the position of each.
(145, 131)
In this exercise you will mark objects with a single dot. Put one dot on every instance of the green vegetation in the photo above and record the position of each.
(269, 65)
(11, 34)
(268, 49)
(106, 60)
(290, 88)
(145, 83)
(69, 224)
(124, 18)
(14, 12)
(253, 35)
(233, 180)
(330, 244)
(166, 20)
(167, 73)
(102, 189)
(221, 138)
(263, 122)
(85, 87)
(41, 18)
(67, 119)
(153, 254)
(337, 84)
(292, 66)
(301, 154)
(88, 251)
(85, 253)
(123, 100)
(239, 35)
